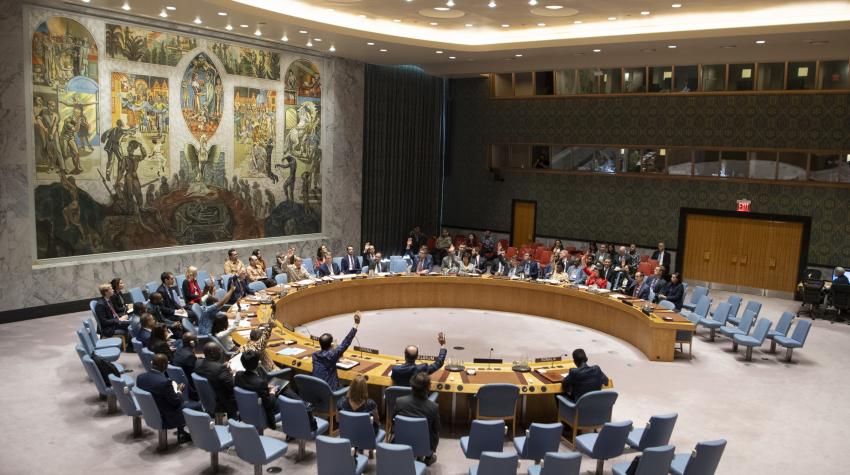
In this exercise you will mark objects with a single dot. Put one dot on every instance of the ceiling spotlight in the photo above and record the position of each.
(468, 25)
(541, 24)
(597, 51)
(163, 13)
(243, 26)
(303, 32)
(361, 16)
(612, 18)
(450, 3)
(452, 57)
(532, 2)
(578, 22)
(370, 43)
(222, 13)
(383, 50)
(228, 27)
(332, 49)
(518, 55)
(676, 5)
(644, 13)
(197, 20)
(671, 46)
(760, 42)
(554, 7)
(433, 23)
(284, 37)
(257, 32)
(170, 7)
(439, 51)
(317, 39)
(396, 20)
(85, 1)
(492, 4)
(125, 7)
(309, 44)
(505, 25)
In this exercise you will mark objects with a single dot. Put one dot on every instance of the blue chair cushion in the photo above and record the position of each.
(519, 442)
(620, 468)
(464, 443)
(745, 340)
(224, 436)
(115, 342)
(534, 470)
(419, 467)
(773, 334)
(585, 442)
(380, 436)
(787, 342)
(360, 463)
(321, 426)
(109, 354)
(729, 331)
(680, 461)
(633, 440)
(710, 323)
(272, 447)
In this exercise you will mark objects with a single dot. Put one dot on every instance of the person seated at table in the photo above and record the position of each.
(449, 264)
(223, 327)
(212, 310)
(421, 262)
(251, 380)
(282, 261)
(478, 260)
(320, 253)
(466, 266)
(441, 246)
(163, 313)
(530, 268)
(350, 263)
(329, 267)
(602, 254)
(109, 321)
(233, 265)
(296, 271)
(139, 310)
(402, 373)
(118, 301)
(488, 243)
(575, 272)
(658, 282)
(169, 402)
(583, 378)
(259, 255)
(192, 289)
(240, 287)
(377, 265)
(159, 341)
(514, 268)
(471, 241)
(674, 292)
(357, 400)
(417, 404)
(212, 367)
(146, 329)
(839, 277)
(410, 251)
(639, 287)
(560, 274)
(595, 278)
(368, 253)
(168, 292)
(256, 272)
(498, 265)
(185, 359)
(622, 278)
(551, 266)
(325, 360)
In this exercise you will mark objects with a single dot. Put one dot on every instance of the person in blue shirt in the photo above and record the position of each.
(211, 311)
(324, 361)
(402, 373)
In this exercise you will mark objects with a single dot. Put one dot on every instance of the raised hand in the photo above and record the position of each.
(441, 339)
(357, 317)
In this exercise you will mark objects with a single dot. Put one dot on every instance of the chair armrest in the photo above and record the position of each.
(279, 373)
(562, 400)
(339, 393)
(433, 396)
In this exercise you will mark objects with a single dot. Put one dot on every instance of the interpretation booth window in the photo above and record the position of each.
(801, 75)
(634, 79)
(830, 167)
(741, 77)
(771, 76)
(609, 81)
(679, 161)
(713, 77)
(834, 75)
(566, 82)
(660, 78)
(763, 165)
(792, 166)
(687, 78)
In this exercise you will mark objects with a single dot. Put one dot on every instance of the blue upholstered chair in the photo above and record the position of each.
(667, 305)
(219, 294)
(752, 306)
(179, 279)
(333, 457)
(318, 393)
(146, 357)
(109, 354)
(781, 329)
(296, 424)
(797, 339)
(256, 449)
(152, 286)
(98, 342)
(495, 463)
(734, 304)
(104, 390)
(717, 319)
(606, 444)
(743, 327)
(152, 417)
(657, 432)
(269, 273)
(251, 410)
(127, 402)
(699, 312)
(703, 460)
(225, 279)
(206, 394)
(398, 266)
(137, 296)
(538, 441)
(390, 395)
(412, 431)
(558, 463)
(307, 264)
(699, 291)
(338, 262)
(396, 459)
(591, 411)
(484, 436)
(177, 375)
(281, 279)
(137, 345)
(206, 435)
(654, 460)
(257, 286)
(754, 340)
(497, 401)
(357, 427)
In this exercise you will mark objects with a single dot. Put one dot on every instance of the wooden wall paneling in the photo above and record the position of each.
(785, 242)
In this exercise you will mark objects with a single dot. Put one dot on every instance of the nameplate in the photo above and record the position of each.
(487, 360)
(288, 327)
(547, 359)
(363, 349)
(314, 338)
(426, 358)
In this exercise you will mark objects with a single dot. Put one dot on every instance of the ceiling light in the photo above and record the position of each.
(541, 24)
(85, 1)
(532, 2)
(303, 32)
(554, 7)
(163, 13)
(492, 4)
(362, 16)
(370, 43)
(222, 13)
(243, 26)
(505, 25)
(468, 25)
(452, 57)
(396, 20)
(383, 50)
(433, 23)
(169, 7)
(309, 44)
(257, 32)
(760, 42)
(578, 22)
(671, 46)
(197, 20)
(439, 51)
(228, 27)
(597, 51)
(125, 7)
(442, 9)
(284, 37)
(450, 3)
(332, 49)
(676, 5)
(317, 39)
(612, 18)
(518, 55)
(644, 13)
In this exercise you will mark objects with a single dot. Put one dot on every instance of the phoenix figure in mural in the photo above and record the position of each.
(199, 157)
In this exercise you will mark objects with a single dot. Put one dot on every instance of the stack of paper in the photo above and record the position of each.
(291, 351)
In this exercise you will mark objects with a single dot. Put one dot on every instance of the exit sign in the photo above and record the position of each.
(744, 206)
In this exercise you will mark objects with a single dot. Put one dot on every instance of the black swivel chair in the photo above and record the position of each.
(840, 299)
(812, 274)
(812, 297)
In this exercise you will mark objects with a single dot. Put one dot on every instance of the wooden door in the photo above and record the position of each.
(753, 252)
(777, 257)
(523, 219)
(712, 249)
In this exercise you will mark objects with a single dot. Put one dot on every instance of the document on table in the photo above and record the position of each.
(244, 307)
(305, 282)
(244, 324)
(346, 364)
(235, 363)
(291, 351)
(244, 333)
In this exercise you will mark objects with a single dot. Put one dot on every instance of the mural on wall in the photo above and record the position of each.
(201, 96)
(131, 43)
(254, 132)
(251, 62)
(140, 110)
(144, 181)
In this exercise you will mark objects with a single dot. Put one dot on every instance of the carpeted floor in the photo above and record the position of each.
(777, 417)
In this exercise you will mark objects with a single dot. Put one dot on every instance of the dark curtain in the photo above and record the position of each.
(403, 137)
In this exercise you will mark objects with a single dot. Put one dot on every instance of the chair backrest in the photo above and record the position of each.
(315, 391)
(398, 266)
(307, 264)
(146, 356)
(784, 323)
(205, 392)
(721, 312)
(246, 439)
(96, 376)
(542, 438)
(611, 440)
(840, 295)
(412, 431)
(561, 463)
(250, 407)
(667, 305)
(338, 261)
(497, 400)
(705, 458)
(177, 374)
(699, 291)
(150, 413)
(179, 281)
(746, 321)
(498, 463)
(754, 306)
(257, 286)
(203, 279)
(594, 408)
(333, 456)
(357, 427)
(152, 286)
(269, 272)
(85, 340)
(703, 304)
(812, 274)
(655, 460)
(762, 327)
(125, 398)
(90, 332)
(202, 430)
(735, 304)
(294, 419)
(225, 279)
(658, 431)
(485, 436)
(395, 459)
(801, 331)
(219, 294)
(137, 295)
(92, 305)
(391, 394)
(137, 345)
(281, 279)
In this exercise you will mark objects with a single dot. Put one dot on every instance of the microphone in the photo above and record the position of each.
(359, 345)
(308, 332)
(491, 359)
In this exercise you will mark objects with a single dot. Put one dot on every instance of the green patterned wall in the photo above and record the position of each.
(634, 209)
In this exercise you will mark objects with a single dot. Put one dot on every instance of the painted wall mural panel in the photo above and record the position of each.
(254, 132)
(140, 103)
(201, 95)
(132, 43)
(251, 62)
(303, 96)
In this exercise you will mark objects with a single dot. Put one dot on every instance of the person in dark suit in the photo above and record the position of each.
(328, 267)
(422, 262)
(251, 380)
(159, 343)
(662, 256)
(622, 278)
(239, 286)
(583, 378)
(419, 238)
(146, 328)
(377, 266)
(109, 321)
(639, 287)
(117, 299)
(839, 277)
(324, 361)
(658, 283)
(185, 359)
(220, 378)
(478, 260)
(530, 269)
(164, 314)
(402, 373)
(350, 263)
(165, 289)
(168, 401)
(608, 271)
(417, 404)
(675, 291)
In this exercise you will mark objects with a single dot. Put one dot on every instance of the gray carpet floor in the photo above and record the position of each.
(778, 418)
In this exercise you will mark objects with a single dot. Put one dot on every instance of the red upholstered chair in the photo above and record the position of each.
(432, 241)
(510, 252)
(571, 249)
(653, 263)
(645, 268)
(644, 258)
(504, 243)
